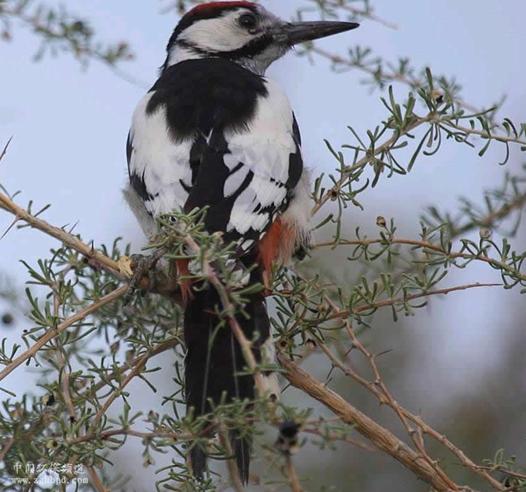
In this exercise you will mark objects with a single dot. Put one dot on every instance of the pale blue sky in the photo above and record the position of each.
(69, 128)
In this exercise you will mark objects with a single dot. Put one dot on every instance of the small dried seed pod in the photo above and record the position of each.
(381, 222)
(287, 441)
(438, 96)
(485, 233)
(48, 399)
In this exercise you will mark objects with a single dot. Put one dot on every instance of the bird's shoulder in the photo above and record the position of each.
(205, 94)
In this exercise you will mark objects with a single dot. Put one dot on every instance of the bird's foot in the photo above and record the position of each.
(144, 273)
(302, 252)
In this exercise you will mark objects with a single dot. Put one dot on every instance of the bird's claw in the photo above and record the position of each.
(144, 273)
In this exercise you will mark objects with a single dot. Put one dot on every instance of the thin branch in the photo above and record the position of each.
(55, 332)
(492, 218)
(64, 373)
(136, 370)
(229, 308)
(502, 469)
(292, 474)
(95, 480)
(335, 190)
(159, 349)
(413, 297)
(233, 470)
(61, 235)
(108, 435)
(427, 246)
(7, 446)
(334, 437)
(6, 146)
(365, 14)
(406, 79)
(484, 134)
(415, 436)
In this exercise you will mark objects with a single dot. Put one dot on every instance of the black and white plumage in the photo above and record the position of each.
(238, 151)
(215, 132)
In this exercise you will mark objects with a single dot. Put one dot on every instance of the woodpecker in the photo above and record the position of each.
(213, 132)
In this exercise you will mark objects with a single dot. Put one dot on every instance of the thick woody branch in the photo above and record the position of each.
(382, 438)
(95, 480)
(115, 268)
(379, 389)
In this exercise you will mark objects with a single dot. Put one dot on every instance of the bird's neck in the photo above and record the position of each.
(183, 51)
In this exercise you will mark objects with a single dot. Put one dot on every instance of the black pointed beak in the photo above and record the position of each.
(299, 32)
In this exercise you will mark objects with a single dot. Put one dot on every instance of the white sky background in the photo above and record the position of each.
(70, 127)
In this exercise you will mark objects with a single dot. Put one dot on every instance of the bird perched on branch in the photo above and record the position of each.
(214, 132)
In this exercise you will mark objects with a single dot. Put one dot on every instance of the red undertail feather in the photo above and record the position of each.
(276, 246)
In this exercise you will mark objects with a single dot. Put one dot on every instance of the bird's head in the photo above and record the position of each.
(243, 32)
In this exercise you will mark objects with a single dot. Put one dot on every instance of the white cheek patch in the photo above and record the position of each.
(206, 37)
(218, 34)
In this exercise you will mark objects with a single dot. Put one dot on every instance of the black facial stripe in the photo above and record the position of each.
(250, 50)
(192, 47)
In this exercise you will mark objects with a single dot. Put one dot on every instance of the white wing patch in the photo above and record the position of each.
(264, 149)
(161, 163)
(235, 181)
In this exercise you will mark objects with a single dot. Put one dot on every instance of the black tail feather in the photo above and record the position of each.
(213, 362)
(198, 460)
(241, 446)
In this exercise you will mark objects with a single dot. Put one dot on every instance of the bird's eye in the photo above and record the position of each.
(248, 21)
